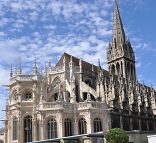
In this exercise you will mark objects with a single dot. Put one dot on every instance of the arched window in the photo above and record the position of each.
(68, 127)
(28, 96)
(28, 128)
(113, 69)
(88, 82)
(97, 125)
(15, 96)
(128, 71)
(15, 128)
(82, 126)
(52, 128)
(56, 82)
(118, 68)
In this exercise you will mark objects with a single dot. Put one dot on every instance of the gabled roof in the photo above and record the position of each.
(85, 65)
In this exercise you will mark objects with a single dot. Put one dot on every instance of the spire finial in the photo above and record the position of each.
(71, 62)
(35, 67)
(49, 64)
(64, 59)
(99, 64)
(11, 73)
(71, 58)
(118, 30)
(19, 70)
(64, 62)
(80, 65)
(71, 67)
(115, 2)
(45, 69)
(41, 69)
(92, 67)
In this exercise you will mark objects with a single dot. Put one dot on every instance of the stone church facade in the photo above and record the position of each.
(76, 97)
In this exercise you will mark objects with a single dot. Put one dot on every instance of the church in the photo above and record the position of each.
(75, 97)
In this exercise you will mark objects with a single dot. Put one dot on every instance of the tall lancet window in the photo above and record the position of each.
(28, 128)
(97, 125)
(52, 128)
(82, 126)
(15, 128)
(68, 127)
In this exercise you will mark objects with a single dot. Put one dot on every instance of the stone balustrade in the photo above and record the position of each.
(100, 105)
(79, 106)
(23, 78)
(53, 105)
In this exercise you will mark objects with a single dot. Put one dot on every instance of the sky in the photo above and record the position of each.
(45, 29)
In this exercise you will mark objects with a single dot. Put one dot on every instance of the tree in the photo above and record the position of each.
(117, 135)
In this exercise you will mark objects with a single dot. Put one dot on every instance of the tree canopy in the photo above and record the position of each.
(117, 135)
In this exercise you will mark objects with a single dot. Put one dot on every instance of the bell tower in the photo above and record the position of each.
(120, 54)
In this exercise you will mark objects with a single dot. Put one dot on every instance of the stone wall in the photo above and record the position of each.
(139, 137)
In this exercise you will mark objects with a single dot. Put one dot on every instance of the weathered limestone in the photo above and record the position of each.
(76, 97)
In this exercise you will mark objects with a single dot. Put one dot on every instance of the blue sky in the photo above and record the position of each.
(47, 28)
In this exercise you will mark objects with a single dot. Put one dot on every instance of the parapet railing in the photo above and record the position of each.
(23, 78)
(78, 106)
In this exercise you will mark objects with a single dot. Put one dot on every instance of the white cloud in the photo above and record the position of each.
(45, 29)
(2, 34)
(138, 64)
(16, 5)
(4, 75)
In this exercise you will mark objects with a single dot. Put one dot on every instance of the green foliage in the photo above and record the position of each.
(117, 135)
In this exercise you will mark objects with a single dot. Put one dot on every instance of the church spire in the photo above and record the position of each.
(11, 73)
(35, 67)
(118, 30)
(19, 70)
(120, 54)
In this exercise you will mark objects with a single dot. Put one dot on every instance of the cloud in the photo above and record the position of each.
(46, 29)
(42, 28)
(2, 34)
(138, 65)
(4, 75)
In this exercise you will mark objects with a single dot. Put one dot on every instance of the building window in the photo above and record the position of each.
(88, 82)
(15, 128)
(68, 127)
(82, 126)
(97, 125)
(28, 96)
(28, 129)
(52, 129)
